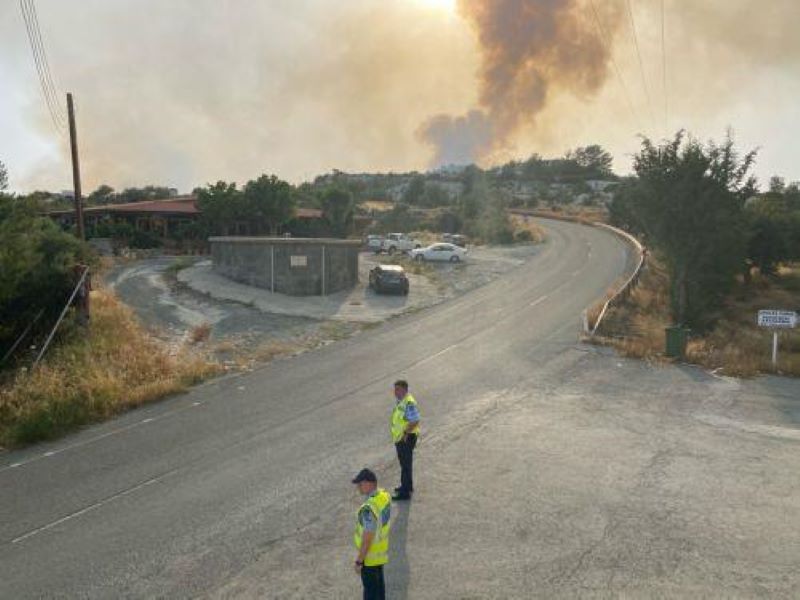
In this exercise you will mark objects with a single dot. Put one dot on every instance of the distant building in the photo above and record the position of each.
(164, 217)
(599, 185)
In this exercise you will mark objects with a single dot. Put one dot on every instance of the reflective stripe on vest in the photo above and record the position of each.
(399, 422)
(380, 506)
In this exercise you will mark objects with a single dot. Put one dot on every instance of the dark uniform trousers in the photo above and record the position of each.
(374, 587)
(405, 454)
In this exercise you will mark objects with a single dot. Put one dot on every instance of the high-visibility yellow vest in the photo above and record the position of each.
(380, 506)
(399, 422)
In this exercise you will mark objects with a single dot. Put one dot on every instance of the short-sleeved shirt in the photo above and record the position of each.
(367, 517)
(412, 412)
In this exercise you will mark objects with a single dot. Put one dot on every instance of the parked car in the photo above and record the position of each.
(399, 242)
(440, 252)
(374, 243)
(455, 238)
(389, 278)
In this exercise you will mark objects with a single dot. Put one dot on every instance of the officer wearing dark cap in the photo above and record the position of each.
(371, 536)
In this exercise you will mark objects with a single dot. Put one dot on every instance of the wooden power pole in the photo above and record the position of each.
(76, 168)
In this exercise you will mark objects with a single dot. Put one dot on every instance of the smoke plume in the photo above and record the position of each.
(529, 49)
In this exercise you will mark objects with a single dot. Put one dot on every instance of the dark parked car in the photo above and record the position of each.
(388, 278)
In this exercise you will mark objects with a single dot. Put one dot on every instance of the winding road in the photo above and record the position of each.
(545, 469)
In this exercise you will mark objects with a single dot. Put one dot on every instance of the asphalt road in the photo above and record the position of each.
(546, 468)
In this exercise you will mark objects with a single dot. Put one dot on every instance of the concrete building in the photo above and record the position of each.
(293, 266)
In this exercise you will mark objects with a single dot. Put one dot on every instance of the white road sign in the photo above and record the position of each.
(777, 318)
(298, 261)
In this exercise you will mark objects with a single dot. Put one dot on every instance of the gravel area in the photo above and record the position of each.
(434, 283)
(246, 324)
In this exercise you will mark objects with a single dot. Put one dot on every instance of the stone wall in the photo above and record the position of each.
(294, 266)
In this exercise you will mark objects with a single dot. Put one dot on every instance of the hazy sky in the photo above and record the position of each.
(184, 92)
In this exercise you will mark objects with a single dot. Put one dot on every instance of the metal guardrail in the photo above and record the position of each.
(625, 290)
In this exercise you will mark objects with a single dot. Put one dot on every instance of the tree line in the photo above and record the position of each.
(699, 207)
(37, 267)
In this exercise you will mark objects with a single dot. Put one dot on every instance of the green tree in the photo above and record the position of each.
(533, 167)
(768, 240)
(36, 262)
(269, 203)
(148, 192)
(338, 209)
(415, 191)
(690, 205)
(3, 177)
(102, 195)
(594, 160)
(221, 205)
(774, 224)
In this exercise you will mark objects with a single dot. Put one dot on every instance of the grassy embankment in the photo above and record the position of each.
(87, 378)
(736, 345)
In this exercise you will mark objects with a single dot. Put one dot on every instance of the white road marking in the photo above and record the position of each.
(430, 358)
(96, 438)
(540, 300)
(83, 511)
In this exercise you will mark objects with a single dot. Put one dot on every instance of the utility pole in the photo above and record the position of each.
(76, 168)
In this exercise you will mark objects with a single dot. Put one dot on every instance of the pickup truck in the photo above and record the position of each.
(399, 242)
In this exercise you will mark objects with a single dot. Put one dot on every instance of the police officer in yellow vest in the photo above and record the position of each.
(405, 430)
(371, 537)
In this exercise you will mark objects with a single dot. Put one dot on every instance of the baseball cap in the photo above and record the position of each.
(365, 475)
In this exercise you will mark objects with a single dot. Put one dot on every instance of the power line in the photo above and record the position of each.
(43, 54)
(604, 38)
(664, 67)
(48, 90)
(639, 57)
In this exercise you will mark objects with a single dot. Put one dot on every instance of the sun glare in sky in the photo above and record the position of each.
(446, 5)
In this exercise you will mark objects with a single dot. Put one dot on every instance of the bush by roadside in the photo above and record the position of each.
(87, 378)
(735, 344)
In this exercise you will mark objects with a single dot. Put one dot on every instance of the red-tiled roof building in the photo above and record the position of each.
(162, 217)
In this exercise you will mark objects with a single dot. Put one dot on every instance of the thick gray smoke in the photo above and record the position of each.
(529, 49)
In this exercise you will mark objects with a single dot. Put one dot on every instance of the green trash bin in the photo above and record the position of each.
(676, 337)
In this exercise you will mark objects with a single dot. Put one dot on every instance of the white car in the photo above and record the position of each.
(399, 242)
(374, 243)
(440, 252)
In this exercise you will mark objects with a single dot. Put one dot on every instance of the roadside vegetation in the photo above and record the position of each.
(720, 251)
(93, 374)
(88, 373)
(734, 344)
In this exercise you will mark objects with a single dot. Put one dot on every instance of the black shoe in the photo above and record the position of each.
(401, 490)
(401, 496)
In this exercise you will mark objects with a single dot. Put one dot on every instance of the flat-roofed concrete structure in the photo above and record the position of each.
(293, 266)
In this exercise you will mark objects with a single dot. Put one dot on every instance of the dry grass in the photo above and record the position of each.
(736, 345)
(377, 205)
(520, 223)
(200, 333)
(85, 379)
(577, 214)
